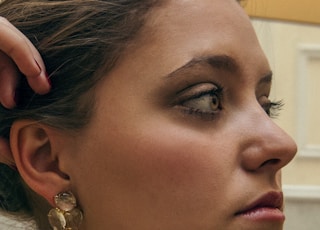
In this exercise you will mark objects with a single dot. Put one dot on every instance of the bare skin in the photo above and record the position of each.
(180, 138)
(17, 54)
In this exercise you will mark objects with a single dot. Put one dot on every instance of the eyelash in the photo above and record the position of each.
(272, 108)
(215, 92)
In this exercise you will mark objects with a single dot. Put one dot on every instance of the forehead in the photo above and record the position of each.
(178, 31)
(220, 22)
(189, 15)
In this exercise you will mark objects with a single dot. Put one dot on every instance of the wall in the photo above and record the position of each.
(294, 53)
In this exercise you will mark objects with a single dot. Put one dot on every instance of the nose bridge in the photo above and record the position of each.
(263, 143)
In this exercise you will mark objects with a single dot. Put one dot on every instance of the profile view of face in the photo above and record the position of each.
(181, 137)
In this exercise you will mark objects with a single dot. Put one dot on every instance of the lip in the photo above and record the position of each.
(269, 207)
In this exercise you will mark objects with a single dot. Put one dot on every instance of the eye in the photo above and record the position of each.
(203, 99)
(206, 102)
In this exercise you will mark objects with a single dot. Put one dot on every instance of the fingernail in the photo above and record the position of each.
(46, 74)
(38, 66)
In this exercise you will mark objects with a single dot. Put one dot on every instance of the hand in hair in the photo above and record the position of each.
(18, 56)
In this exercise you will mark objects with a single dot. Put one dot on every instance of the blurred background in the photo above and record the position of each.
(289, 32)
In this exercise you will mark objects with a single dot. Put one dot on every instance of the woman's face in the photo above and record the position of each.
(181, 138)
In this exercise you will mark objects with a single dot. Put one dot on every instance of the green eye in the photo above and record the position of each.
(207, 102)
(215, 102)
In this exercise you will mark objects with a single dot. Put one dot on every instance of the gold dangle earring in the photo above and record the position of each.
(65, 216)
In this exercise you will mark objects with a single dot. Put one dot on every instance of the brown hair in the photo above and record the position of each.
(80, 41)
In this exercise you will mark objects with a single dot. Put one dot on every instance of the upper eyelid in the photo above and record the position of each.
(264, 84)
(211, 92)
(197, 89)
(266, 79)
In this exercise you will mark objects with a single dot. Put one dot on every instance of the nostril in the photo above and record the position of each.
(270, 162)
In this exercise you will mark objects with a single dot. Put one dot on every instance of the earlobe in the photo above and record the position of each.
(34, 150)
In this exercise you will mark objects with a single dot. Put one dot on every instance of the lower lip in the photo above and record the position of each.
(263, 214)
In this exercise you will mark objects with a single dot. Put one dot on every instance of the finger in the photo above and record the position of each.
(14, 44)
(8, 81)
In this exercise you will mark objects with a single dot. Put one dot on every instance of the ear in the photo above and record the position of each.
(36, 149)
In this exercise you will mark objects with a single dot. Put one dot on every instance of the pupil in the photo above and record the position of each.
(215, 102)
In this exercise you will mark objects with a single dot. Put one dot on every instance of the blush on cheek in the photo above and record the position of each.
(159, 169)
(177, 174)
(177, 162)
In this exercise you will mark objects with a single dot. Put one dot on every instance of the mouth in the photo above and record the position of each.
(268, 207)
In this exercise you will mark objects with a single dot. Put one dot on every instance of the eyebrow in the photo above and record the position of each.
(223, 62)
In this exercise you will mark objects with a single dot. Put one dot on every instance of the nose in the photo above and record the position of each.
(264, 145)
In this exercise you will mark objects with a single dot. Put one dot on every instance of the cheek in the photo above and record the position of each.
(167, 161)
(152, 167)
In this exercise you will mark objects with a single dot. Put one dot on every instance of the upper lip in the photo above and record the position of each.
(269, 200)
